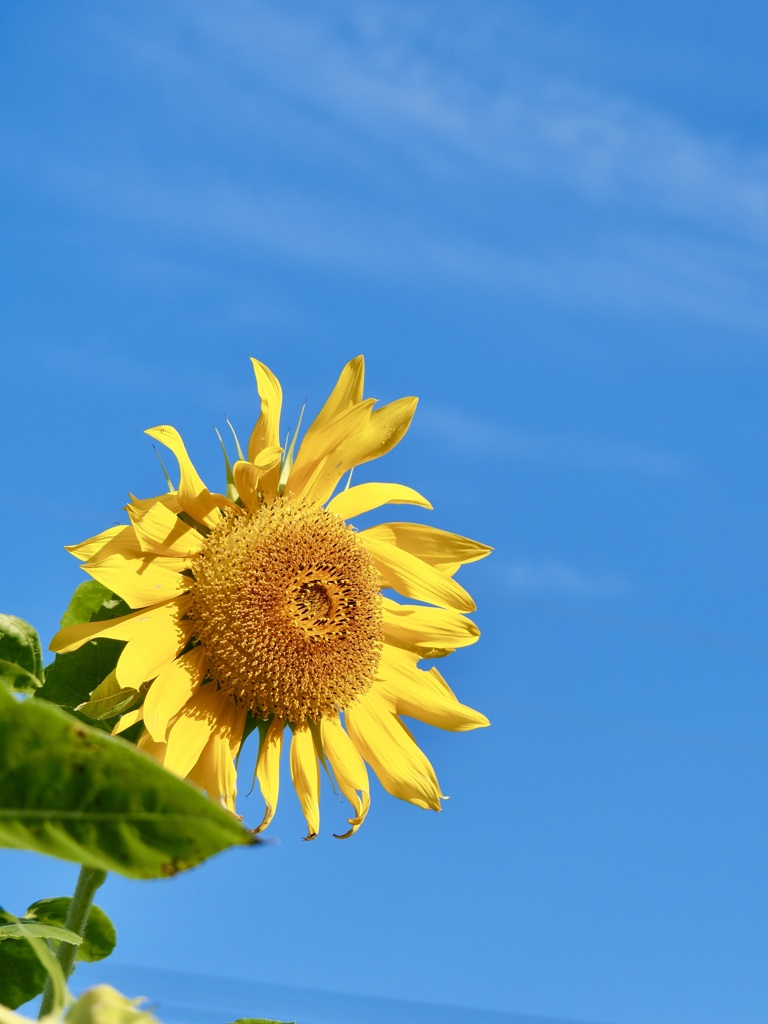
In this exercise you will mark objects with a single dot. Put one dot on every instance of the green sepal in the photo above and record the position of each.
(289, 449)
(70, 791)
(21, 656)
(99, 938)
(231, 490)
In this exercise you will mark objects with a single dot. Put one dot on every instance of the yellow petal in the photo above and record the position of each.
(414, 578)
(365, 497)
(266, 433)
(128, 719)
(319, 452)
(427, 630)
(160, 532)
(391, 751)
(170, 500)
(268, 768)
(205, 713)
(247, 475)
(347, 391)
(367, 439)
(155, 644)
(423, 695)
(123, 542)
(148, 745)
(439, 548)
(122, 628)
(215, 770)
(349, 769)
(88, 549)
(173, 687)
(140, 584)
(305, 775)
(194, 497)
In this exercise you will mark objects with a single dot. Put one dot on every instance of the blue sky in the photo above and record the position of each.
(549, 222)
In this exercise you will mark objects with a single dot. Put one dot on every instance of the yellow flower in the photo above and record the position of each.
(265, 605)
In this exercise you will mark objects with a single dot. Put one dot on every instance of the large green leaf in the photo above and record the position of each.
(71, 791)
(99, 938)
(71, 678)
(21, 657)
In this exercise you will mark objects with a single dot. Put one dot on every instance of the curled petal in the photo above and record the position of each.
(266, 433)
(392, 752)
(349, 769)
(268, 768)
(305, 775)
(248, 476)
(194, 497)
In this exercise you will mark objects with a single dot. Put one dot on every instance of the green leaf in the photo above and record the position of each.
(85, 602)
(71, 678)
(40, 931)
(22, 976)
(70, 791)
(109, 700)
(99, 939)
(21, 657)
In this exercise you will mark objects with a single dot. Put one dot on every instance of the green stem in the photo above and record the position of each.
(88, 882)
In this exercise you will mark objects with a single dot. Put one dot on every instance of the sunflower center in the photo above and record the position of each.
(287, 604)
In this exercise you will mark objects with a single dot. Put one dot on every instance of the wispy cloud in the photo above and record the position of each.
(554, 578)
(406, 118)
(485, 437)
(407, 79)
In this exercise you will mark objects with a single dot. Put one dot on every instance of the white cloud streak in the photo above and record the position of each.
(479, 436)
(408, 102)
(555, 578)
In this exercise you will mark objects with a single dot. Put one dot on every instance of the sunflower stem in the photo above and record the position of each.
(89, 880)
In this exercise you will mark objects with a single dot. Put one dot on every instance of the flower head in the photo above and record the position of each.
(263, 606)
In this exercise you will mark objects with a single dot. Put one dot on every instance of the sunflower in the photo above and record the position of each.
(264, 607)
